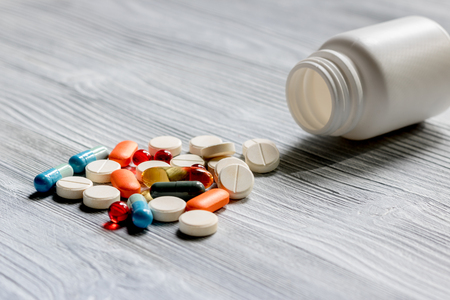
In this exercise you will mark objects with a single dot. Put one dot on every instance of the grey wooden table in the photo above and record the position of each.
(337, 220)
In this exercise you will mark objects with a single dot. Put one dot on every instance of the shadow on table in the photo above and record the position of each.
(313, 152)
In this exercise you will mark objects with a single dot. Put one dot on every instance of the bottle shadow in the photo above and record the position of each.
(315, 152)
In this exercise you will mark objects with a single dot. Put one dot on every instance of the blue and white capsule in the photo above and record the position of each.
(141, 214)
(46, 180)
(81, 160)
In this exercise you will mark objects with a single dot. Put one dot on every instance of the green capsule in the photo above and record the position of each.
(185, 190)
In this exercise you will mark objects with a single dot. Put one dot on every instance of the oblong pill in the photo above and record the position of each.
(186, 160)
(198, 223)
(251, 142)
(222, 149)
(169, 143)
(199, 142)
(237, 180)
(262, 157)
(167, 208)
(182, 189)
(125, 181)
(226, 162)
(72, 187)
(123, 152)
(100, 196)
(100, 170)
(141, 214)
(211, 200)
(46, 180)
(149, 164)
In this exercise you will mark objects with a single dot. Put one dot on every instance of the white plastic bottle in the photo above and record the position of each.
(369, 81)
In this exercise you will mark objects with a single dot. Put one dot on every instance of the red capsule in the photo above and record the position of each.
(118, 211)
(198, 166)
(163, 155)
(140, 156)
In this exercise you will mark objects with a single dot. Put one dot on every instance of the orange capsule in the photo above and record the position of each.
(125, 181)
(211, 200)
(123, 152)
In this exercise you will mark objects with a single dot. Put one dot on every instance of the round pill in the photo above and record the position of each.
(222, 149)
(100, 196)
(199, 142)
(170, 143)
(167, 208)
(237, 180)
(226, 162)
(149, 164)
(262, 157)
(248, 143)
(213, 162)
(186, 160)
(100, 170)
(72, 187)
(198, 223)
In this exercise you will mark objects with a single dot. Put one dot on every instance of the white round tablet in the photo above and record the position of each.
(186, 160)
(226, 162)
(100, 196)
(237, 180)
(72, 187)
(149, 164)
(262, 157)
(199, 142)
(213, 163)
(169, 143)
(222, 149)
(198, 223)
(99, 171)
(167, 208)
(248, 143)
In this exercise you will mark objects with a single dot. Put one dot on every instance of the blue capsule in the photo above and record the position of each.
(46, 180)
(141, 215)
(81, 160)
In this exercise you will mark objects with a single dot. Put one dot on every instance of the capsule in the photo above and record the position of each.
(125, 181)
(185, 190)
(46, 180)
(141, 214)
(211, 200)
(81, 160)
(165, 174)
(123, 152)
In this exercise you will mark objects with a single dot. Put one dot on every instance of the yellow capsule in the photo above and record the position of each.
(155, 174)
(177, 174)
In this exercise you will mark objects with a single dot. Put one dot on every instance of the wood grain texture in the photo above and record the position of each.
(337, 220)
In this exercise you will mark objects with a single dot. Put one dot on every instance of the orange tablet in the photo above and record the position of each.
(211, 200)
(123, 152)
(125, 181)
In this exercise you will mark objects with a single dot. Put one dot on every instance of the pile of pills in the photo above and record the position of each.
(161, 183)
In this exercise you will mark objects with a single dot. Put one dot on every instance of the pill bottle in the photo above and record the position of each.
(369, 81)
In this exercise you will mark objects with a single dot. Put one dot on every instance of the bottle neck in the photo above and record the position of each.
(324, 93)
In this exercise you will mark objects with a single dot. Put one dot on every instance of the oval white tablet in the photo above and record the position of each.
(251, 142)
(169, 143)
(226, 162)
(262, 157)
(198, 223)
(167, 208)
(72, 187)
(186, 160)
(100, 196)
(149, 164)
(199, 142)
(222, 149)
(237, 180)
(99, 171)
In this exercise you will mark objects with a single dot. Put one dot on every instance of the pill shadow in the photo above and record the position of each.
(40, 195)
(61, 200)
(314, 152)
(132, 229)
(186, 237)
(89, 210)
